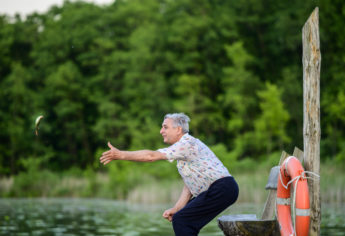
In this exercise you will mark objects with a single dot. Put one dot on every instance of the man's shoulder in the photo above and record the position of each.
(188, 138)
(192, 138)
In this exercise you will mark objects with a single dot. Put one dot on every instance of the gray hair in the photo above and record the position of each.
(179, 119)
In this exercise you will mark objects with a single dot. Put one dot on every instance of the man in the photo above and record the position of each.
(208, 187)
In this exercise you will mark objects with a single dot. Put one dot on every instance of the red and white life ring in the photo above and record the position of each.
(292, 171)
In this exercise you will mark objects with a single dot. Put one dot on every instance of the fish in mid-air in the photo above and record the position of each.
(37, 123)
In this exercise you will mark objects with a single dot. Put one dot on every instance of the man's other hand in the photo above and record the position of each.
(168, 214)
(112, 154)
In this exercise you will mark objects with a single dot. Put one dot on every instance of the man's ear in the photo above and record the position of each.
(180, 129)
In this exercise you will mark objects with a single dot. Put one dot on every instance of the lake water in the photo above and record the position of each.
(107, 217)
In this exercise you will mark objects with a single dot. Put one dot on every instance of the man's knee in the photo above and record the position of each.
(177, 219)
(182, 227)
(179, 224)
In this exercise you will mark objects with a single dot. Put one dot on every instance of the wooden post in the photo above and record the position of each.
(311, 114)
(270, 205)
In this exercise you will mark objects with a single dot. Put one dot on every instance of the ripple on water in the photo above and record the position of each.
(106, 217)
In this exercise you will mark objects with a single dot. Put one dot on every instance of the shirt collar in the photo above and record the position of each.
(186, 135)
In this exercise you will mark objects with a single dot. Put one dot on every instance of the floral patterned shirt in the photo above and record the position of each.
(197, 164)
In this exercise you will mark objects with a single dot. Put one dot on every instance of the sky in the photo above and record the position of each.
(24, 7)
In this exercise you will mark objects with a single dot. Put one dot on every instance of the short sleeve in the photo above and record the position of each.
(178, 151)
(168, 153)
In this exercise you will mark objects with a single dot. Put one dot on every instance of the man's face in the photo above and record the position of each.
(170, 134)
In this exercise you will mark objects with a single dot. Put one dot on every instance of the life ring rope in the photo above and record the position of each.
(287, 201)
(302, 175)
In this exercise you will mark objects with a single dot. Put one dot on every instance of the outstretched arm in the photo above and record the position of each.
(142, 155)
(181, 202)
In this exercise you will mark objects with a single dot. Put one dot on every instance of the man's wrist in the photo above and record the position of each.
(123, 155)
(176, 208)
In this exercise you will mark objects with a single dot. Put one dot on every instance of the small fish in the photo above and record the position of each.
(37, 123)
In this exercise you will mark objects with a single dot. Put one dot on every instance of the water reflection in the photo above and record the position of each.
(106, 217)
(79, 217)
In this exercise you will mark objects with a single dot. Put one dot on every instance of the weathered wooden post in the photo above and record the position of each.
(311, 113)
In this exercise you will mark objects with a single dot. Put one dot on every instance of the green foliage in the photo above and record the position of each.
(110, 73)
(250, 174)
(34, 182)
(224, 155)
(292, 96)
(239, 100)
(269, 127)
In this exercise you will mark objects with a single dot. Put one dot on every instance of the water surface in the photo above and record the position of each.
(107, 217)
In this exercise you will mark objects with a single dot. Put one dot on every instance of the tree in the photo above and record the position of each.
(16, 119)
(66, 105)
(270, 126)
(239, 99)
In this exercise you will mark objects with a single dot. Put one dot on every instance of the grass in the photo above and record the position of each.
(150, 190)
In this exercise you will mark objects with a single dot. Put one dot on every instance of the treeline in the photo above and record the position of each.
(99, 73)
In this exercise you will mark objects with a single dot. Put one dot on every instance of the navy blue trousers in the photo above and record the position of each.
(205, 207)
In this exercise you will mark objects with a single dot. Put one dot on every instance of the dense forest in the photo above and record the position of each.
(111, 73)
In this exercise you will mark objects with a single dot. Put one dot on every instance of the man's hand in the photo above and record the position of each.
(181, 202)
(112, 154)
(168, 214)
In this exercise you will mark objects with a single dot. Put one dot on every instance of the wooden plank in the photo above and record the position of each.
(299, 154)
(283, 156)
(270, 205)
(311, 113)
